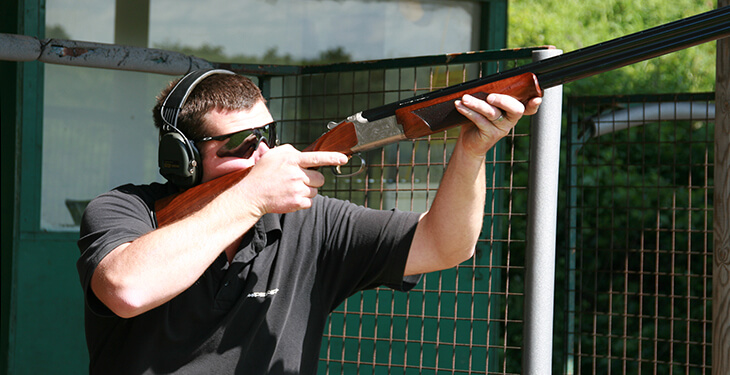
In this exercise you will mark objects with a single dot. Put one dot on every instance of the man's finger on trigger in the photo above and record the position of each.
(321, 158)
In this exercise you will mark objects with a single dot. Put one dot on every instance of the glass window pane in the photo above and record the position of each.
(298, 29)
(97, 134)
(305, 29)
(87, 20)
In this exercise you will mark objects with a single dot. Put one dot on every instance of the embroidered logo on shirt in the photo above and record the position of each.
(263, 294)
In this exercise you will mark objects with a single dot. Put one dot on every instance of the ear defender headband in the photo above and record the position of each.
(178, 158)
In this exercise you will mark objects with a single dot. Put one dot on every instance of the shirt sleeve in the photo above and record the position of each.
(114, 218)
(367, 248)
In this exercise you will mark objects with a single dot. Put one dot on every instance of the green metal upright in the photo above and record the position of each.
(42, 329)
(493, 36)
(493, 25)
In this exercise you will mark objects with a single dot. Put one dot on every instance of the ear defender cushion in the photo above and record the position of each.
(175, 161)
(178, 159)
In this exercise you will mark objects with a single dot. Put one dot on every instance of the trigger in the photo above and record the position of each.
(337, 171)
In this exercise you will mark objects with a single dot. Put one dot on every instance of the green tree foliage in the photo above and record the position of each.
(56, 32)
(573, 24)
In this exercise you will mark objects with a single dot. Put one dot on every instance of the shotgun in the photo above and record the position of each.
(435, 112)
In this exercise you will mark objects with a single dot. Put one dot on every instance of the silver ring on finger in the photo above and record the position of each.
(498, 119)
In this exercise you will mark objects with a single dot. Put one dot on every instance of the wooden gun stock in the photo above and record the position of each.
(178, 206)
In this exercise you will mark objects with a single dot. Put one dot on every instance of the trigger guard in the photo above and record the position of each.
(338, 173)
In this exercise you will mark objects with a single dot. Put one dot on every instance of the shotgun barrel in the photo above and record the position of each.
(595, 59)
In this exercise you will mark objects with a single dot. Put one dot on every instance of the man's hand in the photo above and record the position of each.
(493, 119)
(284, 180)
(459, 202)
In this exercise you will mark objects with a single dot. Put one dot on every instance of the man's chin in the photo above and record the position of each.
(226, 165)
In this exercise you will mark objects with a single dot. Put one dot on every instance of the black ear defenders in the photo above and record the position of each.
(178, 158)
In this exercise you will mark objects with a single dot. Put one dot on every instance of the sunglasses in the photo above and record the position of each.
(249, 139)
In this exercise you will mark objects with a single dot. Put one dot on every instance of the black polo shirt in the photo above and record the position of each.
(264, 313)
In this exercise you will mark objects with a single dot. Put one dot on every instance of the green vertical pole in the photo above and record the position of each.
(493, 28)
(21, 113)
(30, 134)
(493, 35)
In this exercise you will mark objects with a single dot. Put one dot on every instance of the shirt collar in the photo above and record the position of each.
(264, 232)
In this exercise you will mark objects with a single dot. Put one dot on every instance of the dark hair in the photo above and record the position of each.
(230, 92)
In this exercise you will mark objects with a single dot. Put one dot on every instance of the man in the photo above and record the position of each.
(245, 284)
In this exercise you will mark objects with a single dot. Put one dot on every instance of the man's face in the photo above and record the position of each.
(217, 161)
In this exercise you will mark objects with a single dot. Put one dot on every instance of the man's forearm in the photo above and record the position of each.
(143, 274)
(447, 233)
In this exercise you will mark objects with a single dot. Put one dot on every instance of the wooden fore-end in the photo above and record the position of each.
(342, 138)
(175, 207)
(433, 116)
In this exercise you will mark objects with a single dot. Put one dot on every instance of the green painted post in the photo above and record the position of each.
(493, 36)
